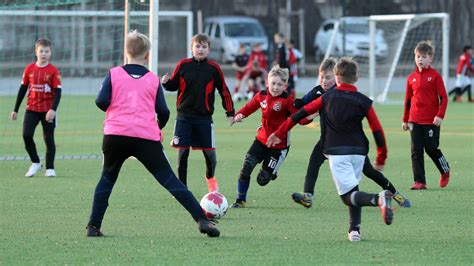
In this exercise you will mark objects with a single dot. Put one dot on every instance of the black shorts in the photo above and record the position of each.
(195, 133)
(270, 158)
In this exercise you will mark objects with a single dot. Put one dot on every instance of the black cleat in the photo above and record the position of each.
(305, 199)
(208, 227)
(93, 231)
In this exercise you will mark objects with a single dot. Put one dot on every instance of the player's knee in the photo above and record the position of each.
(346, 199)
(183, 153)
(264, 177)
(250, 162)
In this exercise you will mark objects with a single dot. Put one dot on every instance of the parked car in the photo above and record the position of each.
(228, 32)
(356, 34)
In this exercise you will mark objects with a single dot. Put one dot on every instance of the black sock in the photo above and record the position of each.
(355, 214)
(360, 198)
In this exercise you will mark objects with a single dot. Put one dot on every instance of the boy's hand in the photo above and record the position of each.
(378, 167)
(407, 126)
(50, 116)
(437, 121)
(273, 140)
(165, 78)
(231, 120)
(238, 118)
(14, 115)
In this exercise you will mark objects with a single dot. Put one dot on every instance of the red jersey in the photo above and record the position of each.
(260, 57)
(464, 65)
(275, 111)
(42, 83)
(425, 97)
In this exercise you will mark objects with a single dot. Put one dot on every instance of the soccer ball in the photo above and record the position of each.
(214, 205)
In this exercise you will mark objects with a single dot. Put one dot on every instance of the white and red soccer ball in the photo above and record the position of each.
(214, 205)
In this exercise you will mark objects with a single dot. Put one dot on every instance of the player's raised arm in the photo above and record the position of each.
(379, 138)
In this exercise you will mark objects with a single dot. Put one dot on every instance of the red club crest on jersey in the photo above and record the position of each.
(277, 106)
(47, 78)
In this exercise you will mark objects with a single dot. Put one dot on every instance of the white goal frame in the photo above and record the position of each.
(444, 17)
(154, 34)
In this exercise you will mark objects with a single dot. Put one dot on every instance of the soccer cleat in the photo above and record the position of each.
(401, 200)
(34, 168)
(50, 173)
(208, 227)
(354, 236)
(212, 184)
(305, 199)
(93, 231)
(238, 204)
(418, 186)
(385, 205)
(458, 99)
(444, 179)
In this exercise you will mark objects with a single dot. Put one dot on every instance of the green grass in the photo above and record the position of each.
(42, 220)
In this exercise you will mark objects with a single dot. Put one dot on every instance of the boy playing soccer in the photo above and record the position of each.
(276, 106)
(44, 83)
(345, 143)
(196, 80)
(425, 106)
(463, 71)
(132, 97)
(327, 82)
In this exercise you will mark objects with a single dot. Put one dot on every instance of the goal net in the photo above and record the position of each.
(88, 39)
(383, 47)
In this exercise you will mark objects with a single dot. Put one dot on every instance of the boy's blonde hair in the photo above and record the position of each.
(201, 38)
(346, 69)
(327, 64)
(424, 47)
(137, 45)
(43, 42)
(276, 71)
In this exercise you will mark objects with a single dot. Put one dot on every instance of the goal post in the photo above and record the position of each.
(383, 47)
(410, 22)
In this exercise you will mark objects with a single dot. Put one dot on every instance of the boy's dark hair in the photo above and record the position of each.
(346, 69)
(327, 64)
(425, 47)
(465, 48)
(43, 42)
(201, 38)
(281, 35)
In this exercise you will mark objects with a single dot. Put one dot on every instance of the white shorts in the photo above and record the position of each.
(346, 171)
(462, 81)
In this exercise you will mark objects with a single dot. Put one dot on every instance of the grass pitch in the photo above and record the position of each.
(42, 220)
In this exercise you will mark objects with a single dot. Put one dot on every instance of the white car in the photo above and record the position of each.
(228, 32)
(355, 32)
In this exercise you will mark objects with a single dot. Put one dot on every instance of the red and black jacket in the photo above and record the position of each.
(196, 82)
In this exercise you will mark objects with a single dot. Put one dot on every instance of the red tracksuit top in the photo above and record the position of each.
(464, 65)
(275, 110)
(425, 97)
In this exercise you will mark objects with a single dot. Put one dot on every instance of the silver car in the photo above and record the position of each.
(228, 32)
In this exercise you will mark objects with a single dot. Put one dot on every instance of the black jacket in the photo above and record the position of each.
(196, 82)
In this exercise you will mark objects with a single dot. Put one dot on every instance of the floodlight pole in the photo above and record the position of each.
(153, 35)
